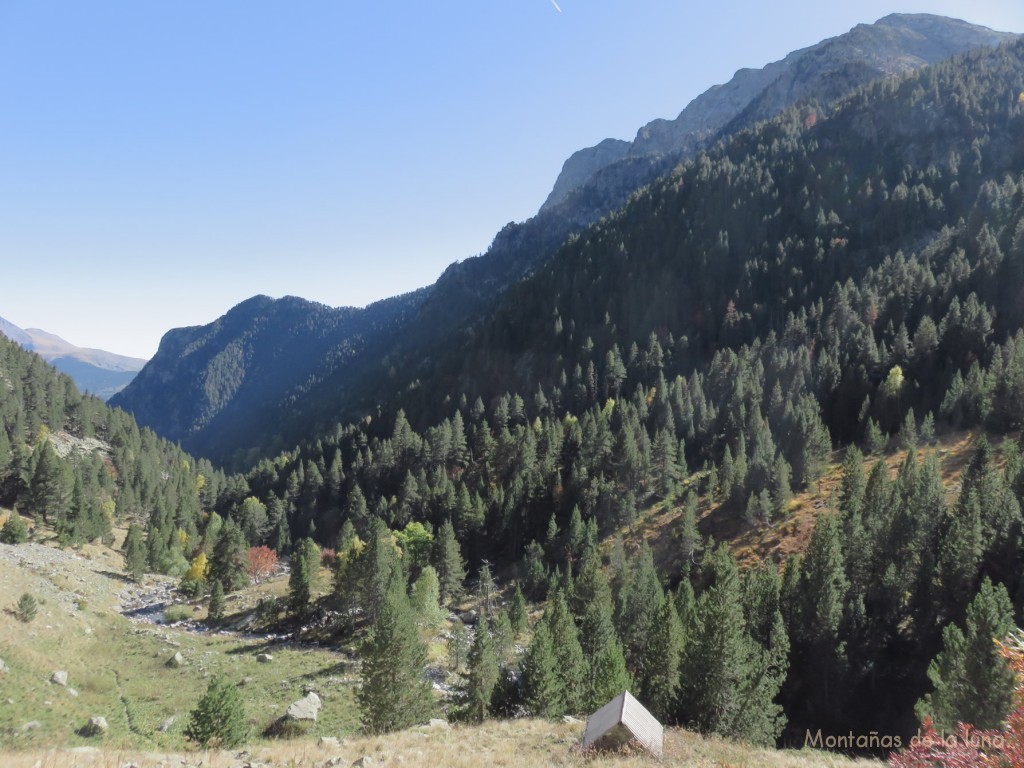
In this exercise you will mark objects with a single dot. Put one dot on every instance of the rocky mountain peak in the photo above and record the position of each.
(825, 71)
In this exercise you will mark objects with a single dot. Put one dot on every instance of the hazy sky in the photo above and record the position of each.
(162, 160)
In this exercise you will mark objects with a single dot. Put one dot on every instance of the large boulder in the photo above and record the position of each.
(96, 726)
(176, 661)
(305, 708)
(60, 677)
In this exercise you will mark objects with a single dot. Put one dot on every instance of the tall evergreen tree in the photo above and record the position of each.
(448, 562)
(607, 675)
(570, 665)
(639, 602)
(972, 683)
(135, 552)
(727, 685)
(542, 687)
(482, 674)
(378, 569)
(215, 611)
(394, 693)
(302, 580)
(229, 562)
(662, 681)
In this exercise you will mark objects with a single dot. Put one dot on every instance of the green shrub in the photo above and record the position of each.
(219, 717)
(27, 608)
(14, 531)
(177, 613)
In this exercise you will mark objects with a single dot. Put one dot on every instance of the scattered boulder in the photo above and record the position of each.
(3, 667)
(363, 762)
(328, 742)
(437, 722)
(571, 720)
(72, 693)
(305, 708)
(165, 726)
(31, 725)
(96, 726)
(176, 661)
(60, 677)
(264, 658)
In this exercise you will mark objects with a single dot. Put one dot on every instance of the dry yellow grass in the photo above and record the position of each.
(514, 744)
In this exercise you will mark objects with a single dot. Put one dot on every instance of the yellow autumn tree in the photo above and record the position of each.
(198, 569)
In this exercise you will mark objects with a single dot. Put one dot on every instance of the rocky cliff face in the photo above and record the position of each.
(891, 46)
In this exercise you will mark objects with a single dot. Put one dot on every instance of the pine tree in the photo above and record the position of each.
(517, 613)
(972, 683)
(690, 544)
(570, 665)
(303, 577)
(482, 674)
(823, 593)
(448, 562)
(26, 608)
(378, 569)
(607, 675)
(394, 693)
(215, 611)
(426, 599)
(638, 606)
(501, 630)
(219, 717)
(458, 645)
(486, 590)
(228, 564)
(542, 688)
(728, 687)
(661, 684)
(14, 530)
(135, 554)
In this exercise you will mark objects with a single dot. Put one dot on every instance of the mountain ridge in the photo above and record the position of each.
(894, 44)
(97, 371)
(389, 348)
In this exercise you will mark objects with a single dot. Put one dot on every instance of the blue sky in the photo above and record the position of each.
(161, 161)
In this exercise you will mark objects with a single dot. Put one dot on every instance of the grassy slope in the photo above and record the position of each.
(514, 744)
(118, 668)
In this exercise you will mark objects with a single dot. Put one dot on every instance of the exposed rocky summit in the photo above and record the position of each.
(826, 71)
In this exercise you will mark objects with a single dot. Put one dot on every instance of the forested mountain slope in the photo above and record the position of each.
(843, 276)
(262, 377)
(230, 391)
(830, 277)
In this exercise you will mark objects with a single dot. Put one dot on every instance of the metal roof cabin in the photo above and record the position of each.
(620, 720)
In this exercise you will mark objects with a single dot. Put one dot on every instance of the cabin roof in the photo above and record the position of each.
(623, 719)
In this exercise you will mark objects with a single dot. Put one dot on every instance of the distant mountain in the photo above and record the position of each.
(362, 358)
(261, 377)
(893, 45)
(93, 370)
